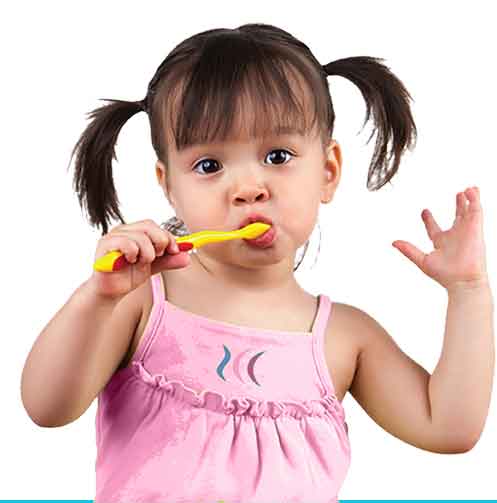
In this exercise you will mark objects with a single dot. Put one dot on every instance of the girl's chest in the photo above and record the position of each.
(341, 348)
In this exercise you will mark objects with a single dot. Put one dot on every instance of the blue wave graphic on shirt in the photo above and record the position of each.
(224, 362)
(227, 358)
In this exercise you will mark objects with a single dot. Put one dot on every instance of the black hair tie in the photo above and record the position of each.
(142, 104)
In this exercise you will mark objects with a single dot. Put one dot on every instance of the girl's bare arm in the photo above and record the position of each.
(76, 354)
(444, 412)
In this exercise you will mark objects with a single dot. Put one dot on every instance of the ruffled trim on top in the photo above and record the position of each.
(329, 404)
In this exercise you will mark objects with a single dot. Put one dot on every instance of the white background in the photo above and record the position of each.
(59, 59)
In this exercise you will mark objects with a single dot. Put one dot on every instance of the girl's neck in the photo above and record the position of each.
(249, 283)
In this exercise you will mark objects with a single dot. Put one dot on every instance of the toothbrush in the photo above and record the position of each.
(115, 260)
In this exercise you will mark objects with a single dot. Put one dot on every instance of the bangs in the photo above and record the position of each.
(238, 89)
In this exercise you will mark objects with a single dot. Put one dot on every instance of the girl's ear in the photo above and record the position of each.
(160, 171)
(332, 171)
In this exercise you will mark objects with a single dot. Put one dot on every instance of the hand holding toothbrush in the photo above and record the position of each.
(148, 241)
(145, 249)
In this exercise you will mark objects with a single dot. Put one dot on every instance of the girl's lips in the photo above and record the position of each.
(255, 217)
(263, 241)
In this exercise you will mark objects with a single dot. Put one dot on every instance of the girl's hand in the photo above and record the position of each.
(458, 260)
(147, 247)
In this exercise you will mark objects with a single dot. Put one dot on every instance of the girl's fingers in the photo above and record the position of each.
(151, 239)
(162, 240)
(470, 195)
(473, 195)
(145, 251)
(431, 225)
(460, 205)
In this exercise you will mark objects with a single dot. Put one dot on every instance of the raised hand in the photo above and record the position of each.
(458, 259)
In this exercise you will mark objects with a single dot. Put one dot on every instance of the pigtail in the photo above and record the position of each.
(93, 180)
(386, 95)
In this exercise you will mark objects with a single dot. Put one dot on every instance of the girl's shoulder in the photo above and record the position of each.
(342, 346)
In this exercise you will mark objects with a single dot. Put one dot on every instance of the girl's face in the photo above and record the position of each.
(285, 178)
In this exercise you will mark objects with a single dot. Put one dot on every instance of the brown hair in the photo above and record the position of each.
(196, 90)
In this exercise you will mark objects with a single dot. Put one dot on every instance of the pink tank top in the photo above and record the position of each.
(207, 411)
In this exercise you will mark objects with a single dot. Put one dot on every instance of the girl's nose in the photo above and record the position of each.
(251, 194)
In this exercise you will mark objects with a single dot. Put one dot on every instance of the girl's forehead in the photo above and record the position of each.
(246, 117)
(247, 127)
(244, 136)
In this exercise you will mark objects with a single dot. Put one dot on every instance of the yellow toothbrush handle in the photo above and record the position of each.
(201, 238)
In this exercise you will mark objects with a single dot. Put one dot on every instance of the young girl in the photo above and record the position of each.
(218, 376)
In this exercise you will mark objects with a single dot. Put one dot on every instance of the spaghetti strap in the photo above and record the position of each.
(158, 288)
(321, 316)
(318, 348)
(150, 330)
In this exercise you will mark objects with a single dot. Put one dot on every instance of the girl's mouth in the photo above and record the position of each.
(263, 241)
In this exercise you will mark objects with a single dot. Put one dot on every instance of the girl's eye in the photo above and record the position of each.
(280, 157)
(210, 164)
(206, 164)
